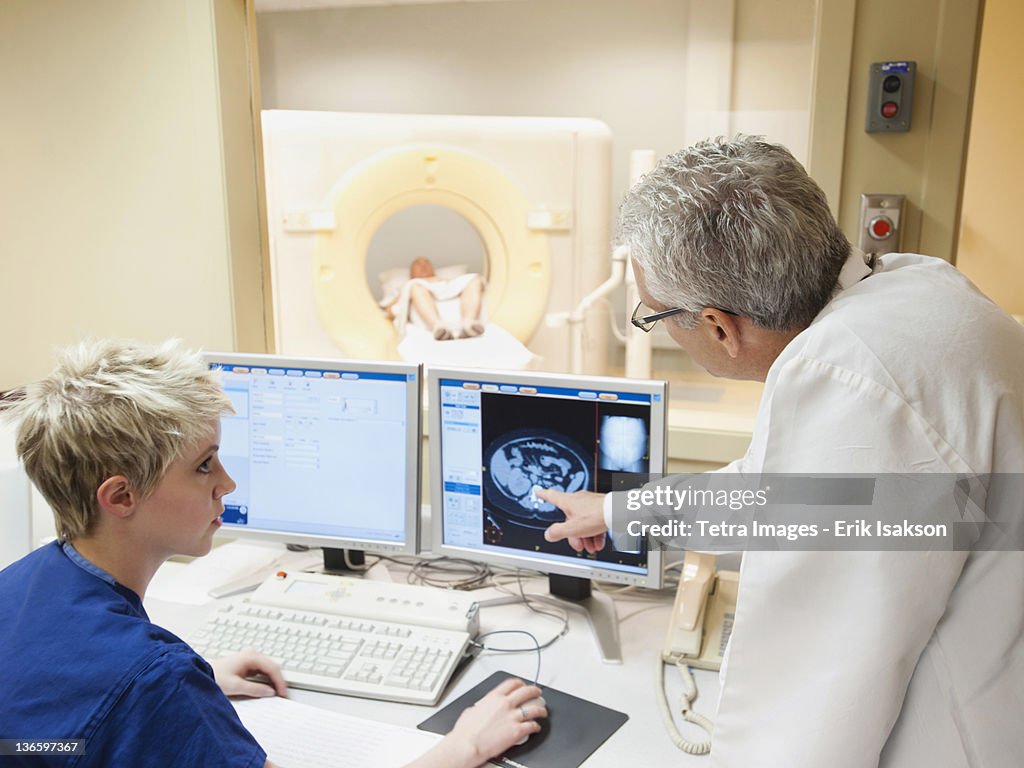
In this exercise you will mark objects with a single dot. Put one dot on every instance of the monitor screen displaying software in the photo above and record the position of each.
(324, 452)
(495, 437)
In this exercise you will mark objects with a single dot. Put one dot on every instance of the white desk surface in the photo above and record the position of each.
(572, 665)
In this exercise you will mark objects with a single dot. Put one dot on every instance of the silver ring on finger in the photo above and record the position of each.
(523, 712)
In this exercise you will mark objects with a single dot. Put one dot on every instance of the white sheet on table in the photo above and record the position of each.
(494, 348)
(300, 736)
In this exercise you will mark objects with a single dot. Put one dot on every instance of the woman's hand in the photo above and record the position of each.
(231, 672)
(488, 728)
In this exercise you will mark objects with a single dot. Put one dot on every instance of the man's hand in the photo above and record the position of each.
(231, 672)
(584, 519)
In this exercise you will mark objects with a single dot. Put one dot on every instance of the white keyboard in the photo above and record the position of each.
(339, 654)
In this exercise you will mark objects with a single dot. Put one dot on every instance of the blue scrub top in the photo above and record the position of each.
(79, 659)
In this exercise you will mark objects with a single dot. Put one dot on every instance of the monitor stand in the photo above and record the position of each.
(576, 594)
(344, 561)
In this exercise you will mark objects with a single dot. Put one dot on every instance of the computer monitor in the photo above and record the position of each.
(326, 453)
(496, 436)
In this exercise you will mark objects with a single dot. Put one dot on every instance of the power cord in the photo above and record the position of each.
(532, 602)
(443, 572)
(462, 574)
(685, 705)
(551, 608)
(536, 646)
(450, 573)
(355, 567)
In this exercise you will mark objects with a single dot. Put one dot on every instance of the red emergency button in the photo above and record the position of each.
(889, 110)
(880, 227)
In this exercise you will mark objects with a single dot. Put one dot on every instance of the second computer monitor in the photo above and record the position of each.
(324, 452)
(495, 437)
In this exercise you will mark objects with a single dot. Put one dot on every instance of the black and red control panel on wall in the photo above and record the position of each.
(890, 96)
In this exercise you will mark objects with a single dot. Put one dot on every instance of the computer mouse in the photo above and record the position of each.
(538, 702)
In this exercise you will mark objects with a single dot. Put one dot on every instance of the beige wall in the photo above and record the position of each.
(772, 63)
(990, 252)
(113, 208)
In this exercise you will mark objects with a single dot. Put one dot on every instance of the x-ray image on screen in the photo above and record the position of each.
(520, 461)
(560, 443)
(623, 444)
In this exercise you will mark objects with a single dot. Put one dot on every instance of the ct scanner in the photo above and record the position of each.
(536, 190)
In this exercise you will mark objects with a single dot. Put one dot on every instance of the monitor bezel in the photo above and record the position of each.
(414, 443)
(658, 441)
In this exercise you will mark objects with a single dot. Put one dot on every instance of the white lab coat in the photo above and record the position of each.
(857, 659)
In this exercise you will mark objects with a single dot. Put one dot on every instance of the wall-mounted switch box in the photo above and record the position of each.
(880, 223)
(890, 96)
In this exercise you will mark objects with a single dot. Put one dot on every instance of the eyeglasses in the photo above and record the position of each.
(646, 322)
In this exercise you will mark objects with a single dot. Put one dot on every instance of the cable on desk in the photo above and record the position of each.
(531, 601)
(451, 573)
(536, 646)
(442, 572)
(354, 567)
(685, 704)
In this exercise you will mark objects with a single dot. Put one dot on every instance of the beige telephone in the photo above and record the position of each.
(698, 632)
(702, 615)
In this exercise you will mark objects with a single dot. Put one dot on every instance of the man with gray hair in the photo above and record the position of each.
(894, 365)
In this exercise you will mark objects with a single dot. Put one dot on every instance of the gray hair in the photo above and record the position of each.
(112, 408)
(737, 225)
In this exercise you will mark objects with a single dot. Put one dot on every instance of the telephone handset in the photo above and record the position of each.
(702, 615)
(698, 633)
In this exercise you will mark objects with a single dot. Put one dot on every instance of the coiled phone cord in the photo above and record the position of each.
(686, 700)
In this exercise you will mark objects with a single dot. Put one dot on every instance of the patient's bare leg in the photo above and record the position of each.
(423, 301)
(470, 304)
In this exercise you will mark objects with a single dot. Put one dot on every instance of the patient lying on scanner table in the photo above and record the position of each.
(441, 319)
(419, 300)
